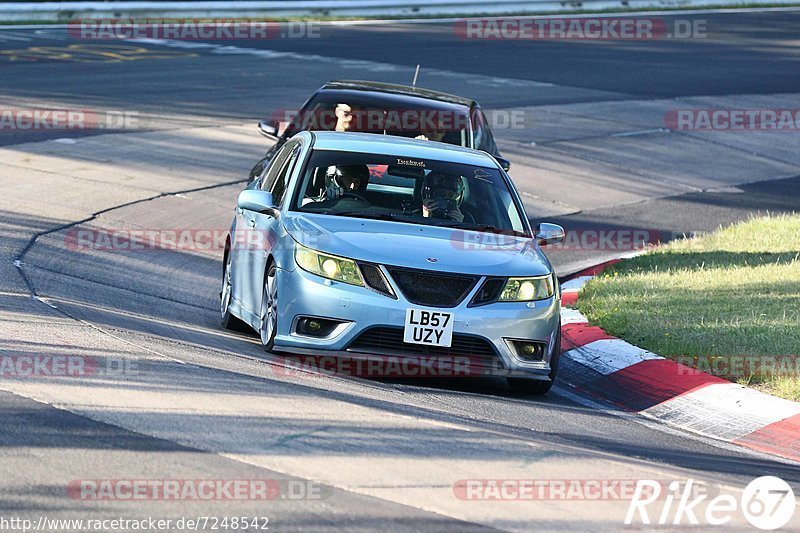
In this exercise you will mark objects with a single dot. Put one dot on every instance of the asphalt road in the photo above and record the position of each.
(208, 404)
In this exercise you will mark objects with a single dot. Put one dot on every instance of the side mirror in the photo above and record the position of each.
(549, 234)
(258, 201)
(505, 163)
(268, 130)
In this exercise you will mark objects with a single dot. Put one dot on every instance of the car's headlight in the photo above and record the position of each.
(327, 266)
(527, 289)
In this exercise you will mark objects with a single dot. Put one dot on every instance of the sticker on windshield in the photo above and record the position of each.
(481, 174)
(411, 162)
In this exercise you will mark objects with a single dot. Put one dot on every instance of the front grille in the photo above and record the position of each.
(489, 291)
(375, 279)
(389, 341)
(433, 289)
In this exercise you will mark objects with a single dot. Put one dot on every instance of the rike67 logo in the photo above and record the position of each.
(767, 502)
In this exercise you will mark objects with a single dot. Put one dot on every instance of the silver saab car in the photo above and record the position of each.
(356, 245)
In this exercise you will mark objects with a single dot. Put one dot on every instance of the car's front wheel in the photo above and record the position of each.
(269, 308)
(534, 386)
(228, 320)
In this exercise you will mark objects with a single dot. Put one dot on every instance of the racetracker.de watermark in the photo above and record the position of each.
(376, 366)
(740, 366)
(20, 119)
(580, 29)
(586, 239)
(396, 120)
(192, 29)
(63, 366)
(195, 490)
(187, 239)
(735, 120)
(560, 489)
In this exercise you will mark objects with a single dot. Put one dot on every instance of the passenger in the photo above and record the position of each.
(442, 195)
(431, 135)
(344, 118)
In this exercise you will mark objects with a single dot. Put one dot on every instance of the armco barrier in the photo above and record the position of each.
(65, 11)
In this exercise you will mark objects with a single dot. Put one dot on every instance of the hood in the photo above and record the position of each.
(418, 246)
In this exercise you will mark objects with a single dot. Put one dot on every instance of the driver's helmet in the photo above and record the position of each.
(442, 185)
(349, 177)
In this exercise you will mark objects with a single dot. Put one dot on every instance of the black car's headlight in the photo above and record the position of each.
(327, 266)
(527, 289)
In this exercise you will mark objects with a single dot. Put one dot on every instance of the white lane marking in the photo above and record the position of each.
(48, 302)
(55, 35)
(635, 253)
(639, 132)
(559, 203)
(609, 355)
(572, 316)
(13, 37)
(45, 302)
(726, 190)
(576, 284)
(27, 35)
(724, 410)
(372, 66)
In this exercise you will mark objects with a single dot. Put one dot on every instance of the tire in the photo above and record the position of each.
(228, 320)
(535, 387)
(268, 324)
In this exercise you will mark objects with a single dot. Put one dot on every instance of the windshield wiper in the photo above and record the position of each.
(488, 228)
(364, 214)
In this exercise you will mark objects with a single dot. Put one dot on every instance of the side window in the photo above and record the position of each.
(483, 135)
(282, 181)
(277, 164)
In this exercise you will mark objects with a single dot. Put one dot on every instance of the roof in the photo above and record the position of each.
(403, 90)
(371, 143)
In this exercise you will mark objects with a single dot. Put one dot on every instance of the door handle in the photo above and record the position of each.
(251, 222)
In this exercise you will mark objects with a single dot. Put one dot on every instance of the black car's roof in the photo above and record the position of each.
(397, 90)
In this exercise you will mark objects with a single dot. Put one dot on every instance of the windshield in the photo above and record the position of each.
(409, 190)
(341, 113)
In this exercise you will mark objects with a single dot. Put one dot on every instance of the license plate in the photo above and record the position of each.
(432, 328)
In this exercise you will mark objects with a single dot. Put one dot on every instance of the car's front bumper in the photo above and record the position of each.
(305, 294)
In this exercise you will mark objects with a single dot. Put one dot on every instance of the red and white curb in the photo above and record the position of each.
(661, 389)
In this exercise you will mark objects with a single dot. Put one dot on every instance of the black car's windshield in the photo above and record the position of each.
(447, 124)
(407, 189)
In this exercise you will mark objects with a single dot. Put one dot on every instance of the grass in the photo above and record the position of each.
(725, 302)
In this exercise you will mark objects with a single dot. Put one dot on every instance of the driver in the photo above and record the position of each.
(345, 178)
(442, 195)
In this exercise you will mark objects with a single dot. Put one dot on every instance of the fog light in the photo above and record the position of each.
(530, 349)
(316, 327)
